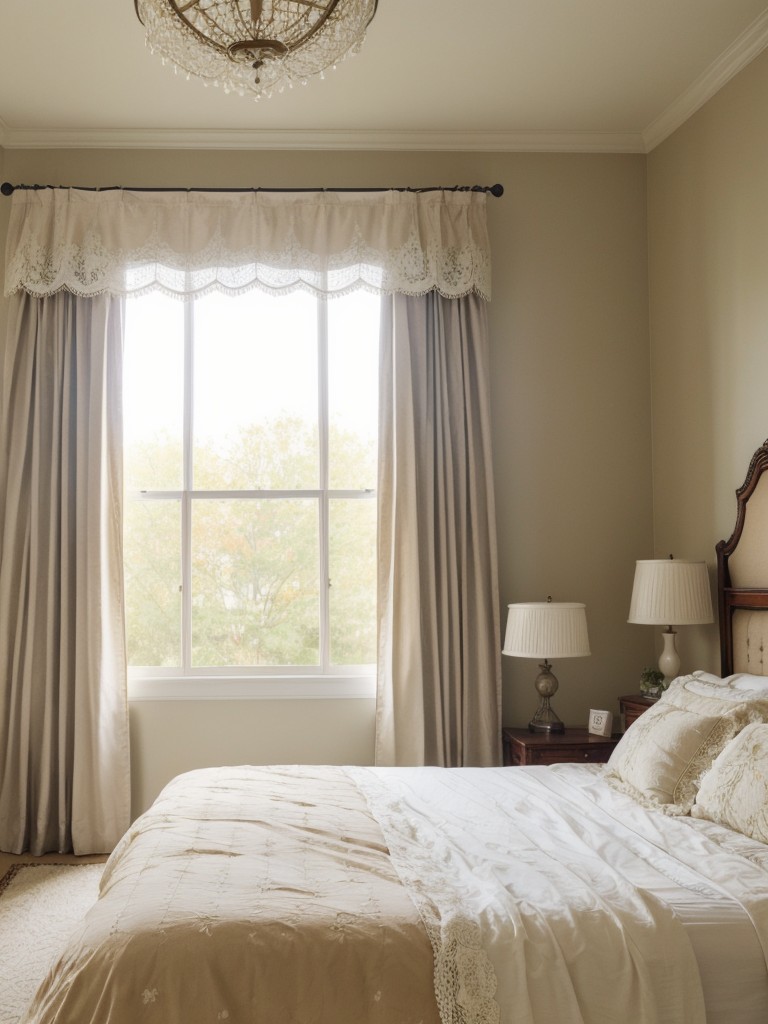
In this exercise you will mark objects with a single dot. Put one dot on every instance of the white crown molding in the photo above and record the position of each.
(234, 139)
(737, 56)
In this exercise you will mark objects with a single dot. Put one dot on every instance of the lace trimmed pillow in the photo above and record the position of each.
(734, 792)
(748, 685)
(662, 757)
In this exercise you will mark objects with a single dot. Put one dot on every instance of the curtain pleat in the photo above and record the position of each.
(64, 753)
(439, 671)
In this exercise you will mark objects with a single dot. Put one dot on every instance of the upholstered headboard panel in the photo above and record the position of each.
(742, 576)
(750, 642)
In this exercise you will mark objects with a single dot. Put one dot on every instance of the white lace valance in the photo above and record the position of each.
(187, 243)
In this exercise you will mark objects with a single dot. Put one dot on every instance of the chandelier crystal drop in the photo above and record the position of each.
(254, 46)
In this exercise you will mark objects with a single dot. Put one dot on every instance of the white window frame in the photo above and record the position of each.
(185, 682)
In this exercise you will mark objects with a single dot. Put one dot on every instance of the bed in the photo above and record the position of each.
(635, 891)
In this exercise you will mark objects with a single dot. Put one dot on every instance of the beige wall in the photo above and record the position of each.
(708, 280)
(571, 422)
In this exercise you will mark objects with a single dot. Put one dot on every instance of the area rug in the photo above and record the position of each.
(40, 906)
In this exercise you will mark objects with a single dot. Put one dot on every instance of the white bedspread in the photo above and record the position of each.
(525, 891)
(547, 898)
(580, 899)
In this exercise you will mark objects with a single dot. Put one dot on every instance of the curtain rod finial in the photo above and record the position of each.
(496, 190)
(7, 188)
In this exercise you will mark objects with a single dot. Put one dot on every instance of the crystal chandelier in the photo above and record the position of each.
(253, 46)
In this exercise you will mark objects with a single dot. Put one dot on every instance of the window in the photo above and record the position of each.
(250, 473)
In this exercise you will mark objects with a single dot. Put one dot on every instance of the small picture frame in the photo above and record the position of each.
(600, 723)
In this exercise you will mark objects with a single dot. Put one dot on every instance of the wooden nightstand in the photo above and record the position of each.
(633, 705)
(524, 747)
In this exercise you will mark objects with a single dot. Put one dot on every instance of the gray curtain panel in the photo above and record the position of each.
(439, 657)
(64, 773)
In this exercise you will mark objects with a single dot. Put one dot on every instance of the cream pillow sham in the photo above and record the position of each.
(662, 757)
(734, 792)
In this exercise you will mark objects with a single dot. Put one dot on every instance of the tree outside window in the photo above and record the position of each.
(250, 469)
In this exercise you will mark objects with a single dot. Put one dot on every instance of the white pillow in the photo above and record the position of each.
(705, 677)
(748, 684)
(734, 792)
(742, 682)
(661, 758)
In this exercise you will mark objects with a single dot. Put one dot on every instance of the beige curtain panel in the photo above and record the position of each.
(64, 775)
(71, 255)
(439, 672)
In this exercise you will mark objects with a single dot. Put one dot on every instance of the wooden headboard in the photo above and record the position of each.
(742, 577)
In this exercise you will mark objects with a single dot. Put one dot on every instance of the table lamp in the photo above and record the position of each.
(546, 629)
(670, 592)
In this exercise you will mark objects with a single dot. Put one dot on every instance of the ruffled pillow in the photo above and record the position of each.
(662, 757)
(742, 682)
(734, 792)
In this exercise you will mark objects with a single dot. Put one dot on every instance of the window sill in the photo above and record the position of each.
(278, 687)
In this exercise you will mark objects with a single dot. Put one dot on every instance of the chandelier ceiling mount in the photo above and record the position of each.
(254, 46)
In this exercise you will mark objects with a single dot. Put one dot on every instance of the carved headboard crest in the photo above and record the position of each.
(742, 577)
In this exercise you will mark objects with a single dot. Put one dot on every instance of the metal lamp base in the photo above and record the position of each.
(538, 724)
(545, 719)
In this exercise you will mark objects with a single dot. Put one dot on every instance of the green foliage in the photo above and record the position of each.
(276, 456)
(255, 561)
(651, 681)
(152, 562)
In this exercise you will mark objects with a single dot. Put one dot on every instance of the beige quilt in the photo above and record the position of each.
(322, 895)
(251, 896)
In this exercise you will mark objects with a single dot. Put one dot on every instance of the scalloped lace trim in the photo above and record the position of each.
(122, 243)
(88, 270)
(465, 981)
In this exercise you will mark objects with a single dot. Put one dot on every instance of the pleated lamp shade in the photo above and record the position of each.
(546, 629)
(670, 592)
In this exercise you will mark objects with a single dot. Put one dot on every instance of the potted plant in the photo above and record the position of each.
(652, 683)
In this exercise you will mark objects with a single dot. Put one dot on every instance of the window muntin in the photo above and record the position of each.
(264, 446)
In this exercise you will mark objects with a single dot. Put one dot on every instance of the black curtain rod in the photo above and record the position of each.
(7, 189)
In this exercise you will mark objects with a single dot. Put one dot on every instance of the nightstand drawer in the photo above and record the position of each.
(572, 754)
(522, 747)
(634, 705)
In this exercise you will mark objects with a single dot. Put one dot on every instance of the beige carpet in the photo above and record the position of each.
(40, 906)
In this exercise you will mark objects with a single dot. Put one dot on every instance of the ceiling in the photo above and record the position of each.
(580, 75)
